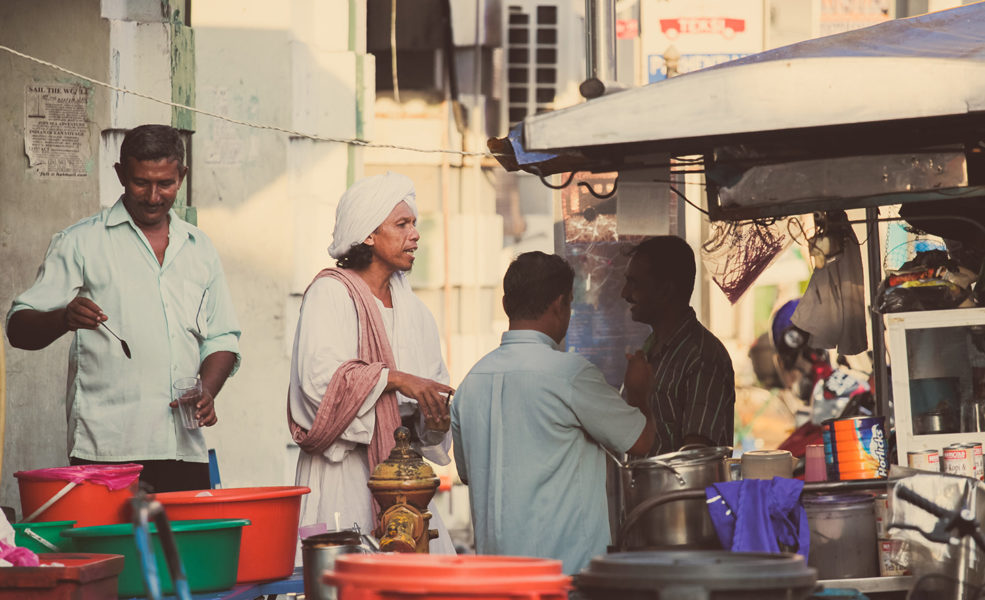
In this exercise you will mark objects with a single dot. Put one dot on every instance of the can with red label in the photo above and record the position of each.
(894, 557)
(925, 460)
(959, 460)
(976, 449)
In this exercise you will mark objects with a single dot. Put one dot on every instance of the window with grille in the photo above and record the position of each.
(531, 59)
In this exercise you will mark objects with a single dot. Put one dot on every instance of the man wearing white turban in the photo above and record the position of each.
(366, 357)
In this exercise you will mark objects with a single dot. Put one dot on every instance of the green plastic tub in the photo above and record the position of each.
(209, 551)
(26, 536)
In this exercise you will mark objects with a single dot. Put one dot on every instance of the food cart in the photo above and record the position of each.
(893, 114)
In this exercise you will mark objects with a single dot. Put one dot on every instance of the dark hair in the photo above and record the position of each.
(358, 257)
(153, 142)
(534, 280)
(670, 259)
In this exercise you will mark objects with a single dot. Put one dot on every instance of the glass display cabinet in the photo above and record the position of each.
(938, 378)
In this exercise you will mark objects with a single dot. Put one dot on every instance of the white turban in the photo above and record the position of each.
(365, 205)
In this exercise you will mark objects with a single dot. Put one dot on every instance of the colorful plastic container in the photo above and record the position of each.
(80, 577)
(209, 552)
(26, 536)
(269, 543)
(93, 494)
(441, 577)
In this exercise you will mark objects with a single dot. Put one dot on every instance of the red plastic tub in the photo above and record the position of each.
(83, 577)
(269, 543)
(99, 496)
(439, 577)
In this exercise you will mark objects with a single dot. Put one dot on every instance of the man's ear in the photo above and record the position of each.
(369, 241)
(121, 173)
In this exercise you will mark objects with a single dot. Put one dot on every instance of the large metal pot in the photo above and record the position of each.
(678, 524)
(318, 553)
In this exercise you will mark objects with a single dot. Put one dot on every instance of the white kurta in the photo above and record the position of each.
(327, 336)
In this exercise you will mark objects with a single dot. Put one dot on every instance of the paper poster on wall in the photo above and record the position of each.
(56, 129)
(687, 35)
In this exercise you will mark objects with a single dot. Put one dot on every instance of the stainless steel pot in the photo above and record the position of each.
(646, 523)
(318, 553)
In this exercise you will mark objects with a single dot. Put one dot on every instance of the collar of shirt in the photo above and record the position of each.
(651, 348)
(528, 336)
(178, 229)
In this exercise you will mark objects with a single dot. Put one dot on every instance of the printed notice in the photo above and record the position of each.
(56, 129)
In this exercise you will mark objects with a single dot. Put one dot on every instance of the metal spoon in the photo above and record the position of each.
(126, 348)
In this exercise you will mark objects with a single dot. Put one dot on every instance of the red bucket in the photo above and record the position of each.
(88, 494)
(440, 577)
(269, 543)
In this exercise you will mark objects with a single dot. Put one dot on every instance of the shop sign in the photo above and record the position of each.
(695, 34)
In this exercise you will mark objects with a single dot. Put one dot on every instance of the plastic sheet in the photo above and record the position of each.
(953, 565)
(114, 477)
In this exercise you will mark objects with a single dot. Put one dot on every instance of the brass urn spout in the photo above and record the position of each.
(403, 485)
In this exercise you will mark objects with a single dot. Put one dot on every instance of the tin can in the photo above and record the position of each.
(976, 449)
(959, 460)
(894, 557)
(925, 460)
(860, 447)
(882, 515)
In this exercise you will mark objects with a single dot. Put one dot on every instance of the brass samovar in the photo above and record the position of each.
(403, 485)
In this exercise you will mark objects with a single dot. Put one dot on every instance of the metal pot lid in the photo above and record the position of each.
(712, 569)
(346, 537)
(683, 457)
(835, 500)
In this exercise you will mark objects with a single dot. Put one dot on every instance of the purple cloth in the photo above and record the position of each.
(755, 515)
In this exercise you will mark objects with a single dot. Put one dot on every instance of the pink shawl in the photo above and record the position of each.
(354, 380)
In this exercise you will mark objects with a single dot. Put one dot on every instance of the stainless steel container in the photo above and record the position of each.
(680, 523)
(318, 553)
(843, 535)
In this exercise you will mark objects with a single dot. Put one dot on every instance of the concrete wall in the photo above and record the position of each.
(267, 199)
(125, 44)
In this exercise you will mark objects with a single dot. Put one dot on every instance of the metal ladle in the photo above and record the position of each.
(126, 348)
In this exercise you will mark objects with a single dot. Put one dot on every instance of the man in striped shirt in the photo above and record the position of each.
(692, 393)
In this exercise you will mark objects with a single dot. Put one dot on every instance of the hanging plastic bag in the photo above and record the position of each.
(736, 254)
(931, 281)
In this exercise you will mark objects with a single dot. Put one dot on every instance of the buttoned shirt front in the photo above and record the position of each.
(172, 316)
(527, 423)
(693, 388)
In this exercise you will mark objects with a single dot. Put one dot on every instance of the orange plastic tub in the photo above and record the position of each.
(440, 577)
(88, 503)
(269, 543)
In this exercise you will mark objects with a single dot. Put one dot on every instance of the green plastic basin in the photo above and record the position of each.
(209, 551)
(26, 534)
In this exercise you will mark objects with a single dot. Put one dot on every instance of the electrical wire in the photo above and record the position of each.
(291, 132)
(684, 198)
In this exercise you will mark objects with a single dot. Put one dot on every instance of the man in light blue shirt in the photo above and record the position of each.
(529, 422)
(157, 282)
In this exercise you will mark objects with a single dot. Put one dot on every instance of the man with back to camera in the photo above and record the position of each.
(692, 390)
(160, 282)
(528, 423)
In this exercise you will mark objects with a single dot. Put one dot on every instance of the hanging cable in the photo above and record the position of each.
(684, 198)
(566, 183)
(291, 132)
(588, 186)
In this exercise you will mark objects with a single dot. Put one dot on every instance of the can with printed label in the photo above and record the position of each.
(976, 449)
(959, 460)
(925, 460)
(859, 444)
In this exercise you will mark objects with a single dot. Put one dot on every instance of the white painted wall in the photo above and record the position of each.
(268, 198)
